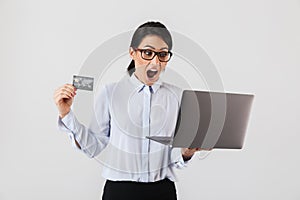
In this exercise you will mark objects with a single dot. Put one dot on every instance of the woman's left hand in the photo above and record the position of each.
(187, 153)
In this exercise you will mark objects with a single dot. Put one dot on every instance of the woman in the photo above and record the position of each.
(125, 113)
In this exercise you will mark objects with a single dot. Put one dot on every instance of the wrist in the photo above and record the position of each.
(62, 115)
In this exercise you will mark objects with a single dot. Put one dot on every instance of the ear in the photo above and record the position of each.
(131, 53)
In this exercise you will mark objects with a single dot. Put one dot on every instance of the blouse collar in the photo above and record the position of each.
(140, 86)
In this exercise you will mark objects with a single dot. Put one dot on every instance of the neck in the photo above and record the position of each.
(148, 84)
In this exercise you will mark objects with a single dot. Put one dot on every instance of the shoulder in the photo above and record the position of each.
(110, 88)
(173, 89)
(171, 86)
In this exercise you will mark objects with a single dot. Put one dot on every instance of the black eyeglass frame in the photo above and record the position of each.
(155, 53)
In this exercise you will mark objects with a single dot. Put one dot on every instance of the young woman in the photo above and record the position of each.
(126, 112)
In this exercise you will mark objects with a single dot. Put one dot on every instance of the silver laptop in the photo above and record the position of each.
(210, 120)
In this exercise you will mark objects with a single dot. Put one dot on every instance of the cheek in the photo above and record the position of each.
(141, 62)
(139, 66)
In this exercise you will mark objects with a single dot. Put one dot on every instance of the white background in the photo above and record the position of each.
(255, 46)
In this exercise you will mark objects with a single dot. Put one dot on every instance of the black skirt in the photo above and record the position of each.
(128, 190)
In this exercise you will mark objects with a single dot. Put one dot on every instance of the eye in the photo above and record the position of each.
(148, 52)
(163, 54)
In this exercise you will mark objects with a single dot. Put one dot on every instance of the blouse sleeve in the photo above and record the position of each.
(92, 139)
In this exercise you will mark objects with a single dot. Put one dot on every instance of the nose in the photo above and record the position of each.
(155, 60)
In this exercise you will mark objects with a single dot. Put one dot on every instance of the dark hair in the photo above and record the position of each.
(149, 28)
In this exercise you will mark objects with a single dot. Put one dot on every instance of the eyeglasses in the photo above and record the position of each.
(148, 54)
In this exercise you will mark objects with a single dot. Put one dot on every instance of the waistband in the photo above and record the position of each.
(163, 181)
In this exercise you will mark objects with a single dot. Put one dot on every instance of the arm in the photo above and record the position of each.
(93, 139)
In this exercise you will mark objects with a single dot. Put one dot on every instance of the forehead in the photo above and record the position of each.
(153, 41)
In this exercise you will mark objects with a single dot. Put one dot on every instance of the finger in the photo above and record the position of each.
(68, 87)
(68, 91)
(64, 92)
(191, 149)
(62, 95)
(70, 95)
(71, 87)
(61, 98)
(196, 149)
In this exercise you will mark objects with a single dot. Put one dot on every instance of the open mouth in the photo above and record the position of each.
(151, 73)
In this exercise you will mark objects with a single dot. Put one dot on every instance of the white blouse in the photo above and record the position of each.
(125, 113)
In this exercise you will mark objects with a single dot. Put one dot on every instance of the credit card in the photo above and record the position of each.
(83, 82)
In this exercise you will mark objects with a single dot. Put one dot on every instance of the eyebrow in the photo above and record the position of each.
(154, 48)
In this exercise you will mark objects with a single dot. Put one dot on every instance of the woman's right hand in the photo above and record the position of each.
(63, 98)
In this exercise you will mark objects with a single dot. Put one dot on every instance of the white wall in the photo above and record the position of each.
(255, 45)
